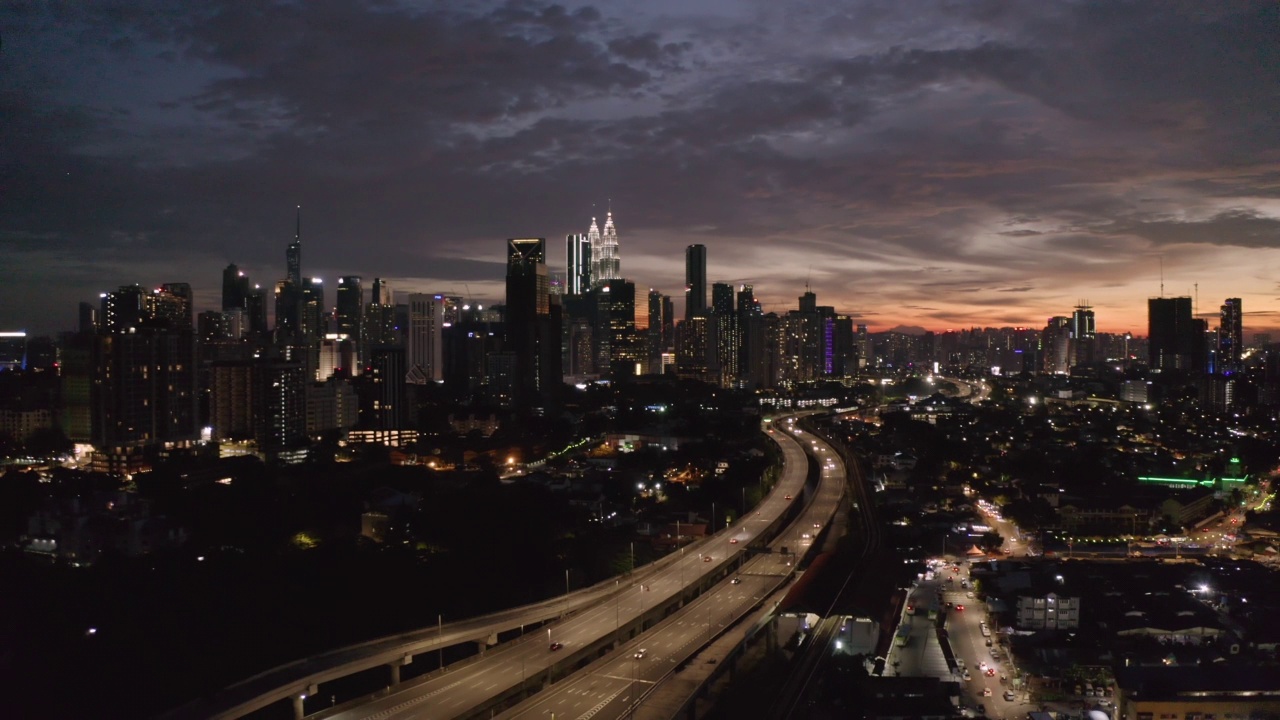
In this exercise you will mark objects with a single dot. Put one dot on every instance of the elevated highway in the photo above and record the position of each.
(586, 624)
(625, 682)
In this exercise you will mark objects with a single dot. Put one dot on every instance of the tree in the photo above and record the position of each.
(990, 541)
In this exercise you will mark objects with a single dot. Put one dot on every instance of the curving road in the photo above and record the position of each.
(618, 685)
(506, 668)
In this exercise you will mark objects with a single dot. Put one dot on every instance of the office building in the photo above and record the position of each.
(728, 337)
(429, 315)
(577, 264)
(1083, 336)
(533, 323)
(625, 354)
(349, 312)
(1230, 337)
(606, 264)
(379, 327)
(235, 288)
(1175, 340)
(695, 281)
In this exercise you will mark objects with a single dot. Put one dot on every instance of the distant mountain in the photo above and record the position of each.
(908, 330)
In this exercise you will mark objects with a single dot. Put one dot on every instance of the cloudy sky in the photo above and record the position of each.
(941, 164)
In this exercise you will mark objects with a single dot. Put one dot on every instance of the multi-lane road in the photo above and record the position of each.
(618, 684)
(508, 667)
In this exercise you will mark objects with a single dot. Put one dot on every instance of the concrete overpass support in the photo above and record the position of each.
(395, 665)
(299, 711)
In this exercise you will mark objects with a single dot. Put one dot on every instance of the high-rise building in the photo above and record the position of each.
(654, 335)
(235, 288)
(1055, 346)
(728, 335)
(1230, 337)
(429, 315)
(578, 264)
(123, 309)
(533, 322)
(1173, 339)
(293, 255)
(280, 410)
(379, 326)
(349, 313)
(144, 388)
(171, 305)
(616, 330)
(605, 261)
(256, 312)
(311, 313)
(1083, 335)
(695, 281)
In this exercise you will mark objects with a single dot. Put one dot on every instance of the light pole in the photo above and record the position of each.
(440, 640)
(713, 518)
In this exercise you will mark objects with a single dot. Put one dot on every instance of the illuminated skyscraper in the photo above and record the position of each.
(1083, 335)
(1230, 336)
(379, 322)
(578, 263)
(605, 262)
(429, 315)
(350, 309)
(293, 256)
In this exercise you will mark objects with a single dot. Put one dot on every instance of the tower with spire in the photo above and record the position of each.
(606, 265)
(293, 256)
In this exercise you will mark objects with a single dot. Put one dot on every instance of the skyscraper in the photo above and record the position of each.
(379, 322)
(578, 264)
(235, 288)
(532, 323)
(1083, 335)
(695, 281)
(1172, 338)
(429, 315)
(293, 255)
(606, 264)
(728, 337)
(654, 335)
(1230, 336)
(349, 315)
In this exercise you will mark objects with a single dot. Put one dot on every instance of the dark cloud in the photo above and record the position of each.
(1044, 150)
(1239, 227)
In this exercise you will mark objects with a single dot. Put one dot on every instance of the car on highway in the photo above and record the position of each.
(786, 497)
(982, 709)
(967, 676)
(736, 581)
(640, 653)
(1008, 695)
(706, 558)
(556, 646)
(959, 607)
(733, 541)
(986, 692)
(991, 672)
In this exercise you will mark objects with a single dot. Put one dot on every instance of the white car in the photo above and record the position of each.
(640, 653)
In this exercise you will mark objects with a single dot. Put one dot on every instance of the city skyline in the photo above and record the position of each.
(932, 166)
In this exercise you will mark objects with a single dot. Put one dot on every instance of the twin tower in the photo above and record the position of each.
(592, 259)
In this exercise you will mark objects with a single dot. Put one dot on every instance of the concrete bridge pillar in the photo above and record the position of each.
(299, 711)
(395, 665)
